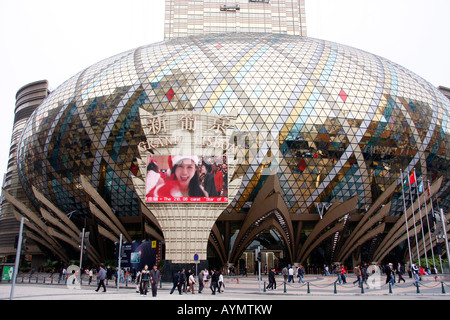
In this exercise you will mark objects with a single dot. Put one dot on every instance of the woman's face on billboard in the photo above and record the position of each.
(184, 172)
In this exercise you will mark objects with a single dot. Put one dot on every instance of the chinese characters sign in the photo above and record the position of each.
(184, 130)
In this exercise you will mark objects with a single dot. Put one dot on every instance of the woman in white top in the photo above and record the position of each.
(191, 283)
(221, 282)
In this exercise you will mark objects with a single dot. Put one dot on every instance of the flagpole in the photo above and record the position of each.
(414, 217)
(421, 221)
(432, 211)
(428, 223)
(406, 219)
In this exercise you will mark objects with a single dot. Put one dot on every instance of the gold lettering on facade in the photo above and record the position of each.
(222, 124)
(188, 121)
(153, 144)
(157, 124)
(171, 129)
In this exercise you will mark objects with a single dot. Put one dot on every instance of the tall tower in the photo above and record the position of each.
(28, 98)
(194, 17)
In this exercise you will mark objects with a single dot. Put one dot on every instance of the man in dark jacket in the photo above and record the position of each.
(272, 283)
(176, 282)
(155, 278)
(214, 281)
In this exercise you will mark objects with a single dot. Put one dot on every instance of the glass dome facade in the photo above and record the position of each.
(345, 121)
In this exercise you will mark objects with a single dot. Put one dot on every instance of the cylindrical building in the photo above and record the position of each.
(28, 98)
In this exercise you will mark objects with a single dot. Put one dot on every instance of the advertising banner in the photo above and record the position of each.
(138, 254)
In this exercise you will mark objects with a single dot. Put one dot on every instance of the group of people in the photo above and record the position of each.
(361, 271)
(185, 281)
(289, 274)
(149, 278)
(145, 279)
(390, 272)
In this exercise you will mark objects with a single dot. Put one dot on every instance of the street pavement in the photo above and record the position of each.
(236, 289)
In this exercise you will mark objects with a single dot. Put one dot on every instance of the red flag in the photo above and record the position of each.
(412, 178)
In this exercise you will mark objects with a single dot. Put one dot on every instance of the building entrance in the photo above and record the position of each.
(270, 258)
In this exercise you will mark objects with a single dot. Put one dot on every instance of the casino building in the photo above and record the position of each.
(310, 142)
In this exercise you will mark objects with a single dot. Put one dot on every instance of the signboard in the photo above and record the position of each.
(189, 179)
(138, 254)
(135, 257)
(7, 273)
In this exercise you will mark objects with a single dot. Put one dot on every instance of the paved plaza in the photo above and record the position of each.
(236, 288)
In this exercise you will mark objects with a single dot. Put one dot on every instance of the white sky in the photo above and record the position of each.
(55, 39)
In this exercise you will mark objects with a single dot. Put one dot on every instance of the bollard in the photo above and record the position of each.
(362, 288)
(264, 286)
(417, 285)
(443, 289)
(308, 291)
(390, 287)
(335, 290)
(284, 287)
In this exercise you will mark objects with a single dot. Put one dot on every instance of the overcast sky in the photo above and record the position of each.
(55, 39)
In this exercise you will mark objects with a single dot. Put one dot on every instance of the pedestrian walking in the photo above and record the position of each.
(91, 275)
(176, 282)
(191, 283)
(343, 272)
(358, 276)
(326, 270)
(63, 274)
(144, 281)
(300, 274)
(388, 272)
(101, 276)
(201, 281)
(206, 275)
(400, 272)
(291, 274)
(364, 275)
(391, 266)
(221, 282)
(272, 283)
(155, 278)
(415, 273)
(214, 282)
(183, 280)
(285, 274)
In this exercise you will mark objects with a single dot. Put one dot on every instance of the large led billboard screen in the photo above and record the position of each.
(189, 179)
